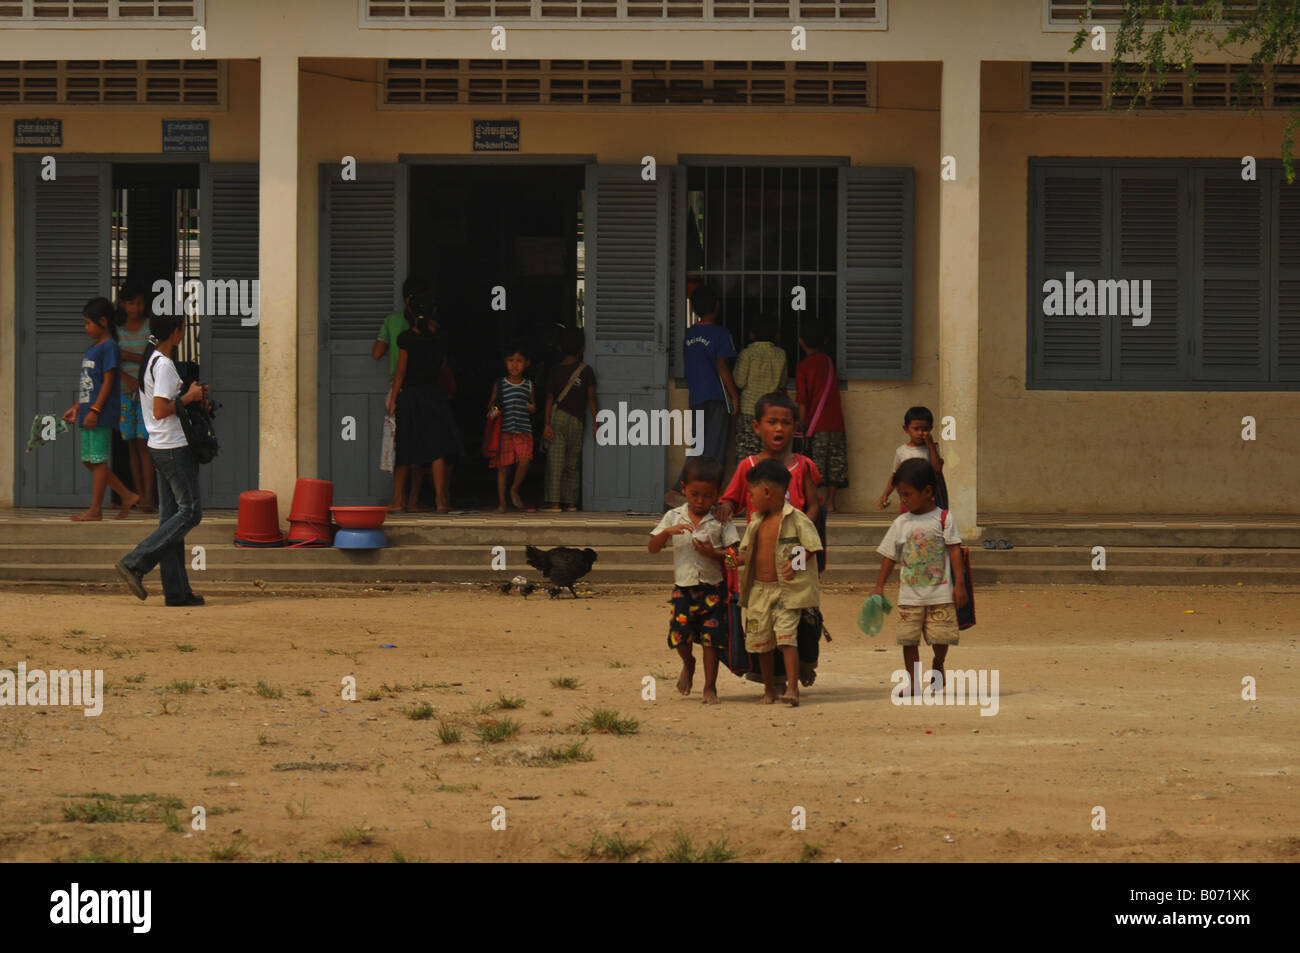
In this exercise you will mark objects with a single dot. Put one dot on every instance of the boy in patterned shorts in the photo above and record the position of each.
(699, 598)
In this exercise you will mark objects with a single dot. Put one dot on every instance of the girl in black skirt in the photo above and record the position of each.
(426, 431)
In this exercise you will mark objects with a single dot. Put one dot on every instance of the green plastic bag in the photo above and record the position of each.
(872, 617)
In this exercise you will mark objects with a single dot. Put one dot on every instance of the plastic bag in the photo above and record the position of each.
(872, 617)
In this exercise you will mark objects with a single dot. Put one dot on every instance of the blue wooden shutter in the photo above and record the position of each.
(1152, 240)
(1231, 262)
(1286, 199)
(1070, 209)
(627, 246)
(228, 355)
(363, 252)
(63, 229)
(875, 274)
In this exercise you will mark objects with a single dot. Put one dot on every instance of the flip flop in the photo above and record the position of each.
(990, 544)
(1005, 544)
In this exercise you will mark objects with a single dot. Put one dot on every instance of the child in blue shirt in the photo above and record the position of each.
(98, 408)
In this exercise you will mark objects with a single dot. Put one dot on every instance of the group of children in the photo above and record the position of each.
(108, 401)
(781, 552)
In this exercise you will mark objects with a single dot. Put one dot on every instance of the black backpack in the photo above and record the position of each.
(196, 421)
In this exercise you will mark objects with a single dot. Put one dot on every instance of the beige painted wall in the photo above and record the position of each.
(102, 132)
(1108, 452)
(340, 118)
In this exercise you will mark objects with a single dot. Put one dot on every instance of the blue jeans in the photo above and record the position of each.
(179, 511)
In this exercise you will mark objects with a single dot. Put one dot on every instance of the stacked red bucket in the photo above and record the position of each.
(309, 517)
(259, 520)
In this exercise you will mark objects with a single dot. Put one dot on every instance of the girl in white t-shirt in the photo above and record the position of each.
(179, 509)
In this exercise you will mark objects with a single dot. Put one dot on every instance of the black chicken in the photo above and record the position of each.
(562, 565)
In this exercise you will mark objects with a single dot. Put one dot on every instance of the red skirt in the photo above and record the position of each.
(515, 448)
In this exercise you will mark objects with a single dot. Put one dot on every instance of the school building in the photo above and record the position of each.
(919, 169)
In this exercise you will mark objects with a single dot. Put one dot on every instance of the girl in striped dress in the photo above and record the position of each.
(512, 398)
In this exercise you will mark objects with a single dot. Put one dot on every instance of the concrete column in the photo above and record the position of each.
(277, 444)
(959, 285)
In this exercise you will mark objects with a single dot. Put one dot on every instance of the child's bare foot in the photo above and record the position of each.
(791, 696)
(517, 500)
(396, 507)
(711, 696)
(769, 698)
(87, 516)
(127, 504)
(419, 508)
(687, 678)
(502, 508)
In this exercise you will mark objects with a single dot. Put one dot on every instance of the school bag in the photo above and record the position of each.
(966, 613)
(196, 421)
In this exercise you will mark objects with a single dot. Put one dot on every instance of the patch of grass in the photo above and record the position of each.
(617, 665)
(232, 851)
(296, 810)
(185, 647)
(614, 847)
(397, 857)
(568, 681)
(269, 691)
(124, 809)
(320, 856)
(809, 853)
(374, 695)
(546, 713)
(495, 730)
(484, 708)
(135, 679)
(355, 837)
(607, 721)
(76, 632)
(223, 684)
(224, 773)
(448, 734)
(122, 653)
(579, 792)
(181, 688)
(318, 766)
(93, 857)
(567, 754)
(683, 851)
(304, 693)
(509, 703)
(421, 712)
(264, 739)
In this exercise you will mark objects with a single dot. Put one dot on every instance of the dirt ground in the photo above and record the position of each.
(1125, 699)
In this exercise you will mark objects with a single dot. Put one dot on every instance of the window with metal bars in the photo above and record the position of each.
(106, 13)
(755, 233)
(1073, 86)
(413, 83)
(192, 83)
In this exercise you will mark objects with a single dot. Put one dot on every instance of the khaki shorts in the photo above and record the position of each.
(768, 623)
(937, 623)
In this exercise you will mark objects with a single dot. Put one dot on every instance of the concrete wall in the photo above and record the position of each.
(1051, 451)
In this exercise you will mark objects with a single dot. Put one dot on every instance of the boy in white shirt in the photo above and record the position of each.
(918, 424)
(699, 598)
(924, 542)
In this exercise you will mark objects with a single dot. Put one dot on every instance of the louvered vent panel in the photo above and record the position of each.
(67, 225)
(113, 82)
(114, 12)
(1073, 215)
(626, 233)
(363, 253)
(1231, 236)
(858, 12)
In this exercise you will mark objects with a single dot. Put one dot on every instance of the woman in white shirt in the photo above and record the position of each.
(179, 510)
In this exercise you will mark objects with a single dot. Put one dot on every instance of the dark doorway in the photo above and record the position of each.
(474, 229)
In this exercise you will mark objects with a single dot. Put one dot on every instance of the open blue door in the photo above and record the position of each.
(626, 228)
(228, 245)
(363, 248)
(63, 231)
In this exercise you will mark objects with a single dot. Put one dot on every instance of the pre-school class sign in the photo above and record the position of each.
(496, 135)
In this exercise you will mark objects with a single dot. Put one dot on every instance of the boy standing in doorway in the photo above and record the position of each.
(705, 353)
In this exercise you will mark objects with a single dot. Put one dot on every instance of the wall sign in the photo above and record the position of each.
(185, 135)
(38, 132)
(496, 135)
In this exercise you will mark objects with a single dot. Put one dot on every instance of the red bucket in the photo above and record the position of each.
(259, 520)
(311, 501)
(310, 533)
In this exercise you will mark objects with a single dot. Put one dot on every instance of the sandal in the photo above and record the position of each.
(1005, 544)
(990, 544)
